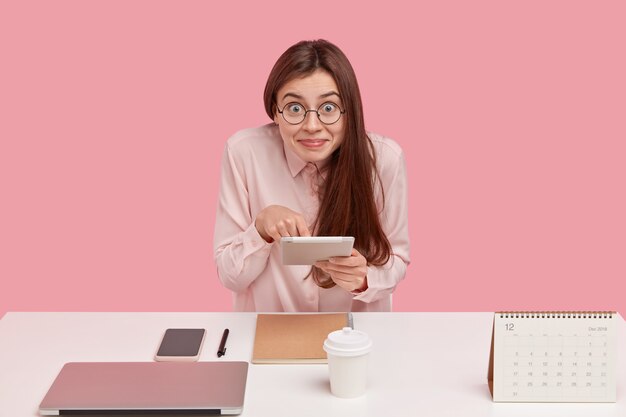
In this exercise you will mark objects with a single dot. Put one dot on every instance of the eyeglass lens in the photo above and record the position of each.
(295, 113)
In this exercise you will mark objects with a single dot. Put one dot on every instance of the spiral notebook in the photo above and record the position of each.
(553, 356)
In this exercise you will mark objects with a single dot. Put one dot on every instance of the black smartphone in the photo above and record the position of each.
(180, 345)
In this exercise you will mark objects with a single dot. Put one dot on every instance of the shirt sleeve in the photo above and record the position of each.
(241, 254)
(382, 280)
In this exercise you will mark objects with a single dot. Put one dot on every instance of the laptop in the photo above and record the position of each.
(147, 388)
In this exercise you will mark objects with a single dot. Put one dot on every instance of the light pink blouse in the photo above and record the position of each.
(258, 171)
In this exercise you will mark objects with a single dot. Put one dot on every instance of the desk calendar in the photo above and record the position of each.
(553, 357)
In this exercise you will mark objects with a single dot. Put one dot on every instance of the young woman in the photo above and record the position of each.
(313, 171)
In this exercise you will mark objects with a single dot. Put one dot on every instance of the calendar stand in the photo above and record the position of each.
(553, 356)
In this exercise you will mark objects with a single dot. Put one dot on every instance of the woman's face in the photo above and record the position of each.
(311, 140)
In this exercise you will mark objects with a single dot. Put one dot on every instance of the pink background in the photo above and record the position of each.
(113, 117)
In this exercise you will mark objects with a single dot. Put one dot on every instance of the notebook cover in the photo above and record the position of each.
(294, 338)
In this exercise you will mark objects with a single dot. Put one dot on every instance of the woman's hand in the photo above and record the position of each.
(274, 222)
(349, 272)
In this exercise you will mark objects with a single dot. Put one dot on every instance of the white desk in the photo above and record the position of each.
(427, 364)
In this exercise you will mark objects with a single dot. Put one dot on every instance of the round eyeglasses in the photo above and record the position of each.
(328, 113)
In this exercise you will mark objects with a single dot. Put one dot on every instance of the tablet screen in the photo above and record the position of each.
(310, 249)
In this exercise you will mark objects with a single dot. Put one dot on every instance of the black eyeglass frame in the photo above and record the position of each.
(306, 112)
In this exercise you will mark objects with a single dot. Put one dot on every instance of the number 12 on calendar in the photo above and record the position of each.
(553, 357)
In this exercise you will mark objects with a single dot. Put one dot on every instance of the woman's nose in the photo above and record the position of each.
(311, 121)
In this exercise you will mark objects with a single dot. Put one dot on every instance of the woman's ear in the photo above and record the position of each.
(275, 115)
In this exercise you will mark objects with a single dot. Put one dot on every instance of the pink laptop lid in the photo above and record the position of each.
(181, 388)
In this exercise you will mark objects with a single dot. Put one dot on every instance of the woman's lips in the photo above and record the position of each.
(312, 143)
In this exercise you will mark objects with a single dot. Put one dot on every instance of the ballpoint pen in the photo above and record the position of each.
(221, 350)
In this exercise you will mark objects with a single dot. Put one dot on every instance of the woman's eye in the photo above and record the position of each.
(329, 107)
(294, 108)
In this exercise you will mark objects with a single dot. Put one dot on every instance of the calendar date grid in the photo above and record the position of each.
(555, 366)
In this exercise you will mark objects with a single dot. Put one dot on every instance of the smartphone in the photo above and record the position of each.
(180, 345)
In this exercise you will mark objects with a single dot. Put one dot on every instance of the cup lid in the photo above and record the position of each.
(347, 342)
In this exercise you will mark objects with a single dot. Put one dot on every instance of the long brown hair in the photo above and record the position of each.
(347, 203)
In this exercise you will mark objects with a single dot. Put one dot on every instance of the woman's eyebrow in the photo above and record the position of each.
(330, 93)
(299, 97)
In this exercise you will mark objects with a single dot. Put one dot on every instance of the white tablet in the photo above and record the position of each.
(308, 250)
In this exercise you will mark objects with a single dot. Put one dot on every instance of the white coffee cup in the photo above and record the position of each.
(348, 352)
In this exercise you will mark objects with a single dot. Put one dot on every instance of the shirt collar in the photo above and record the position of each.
(296, 164)
(293, 161)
